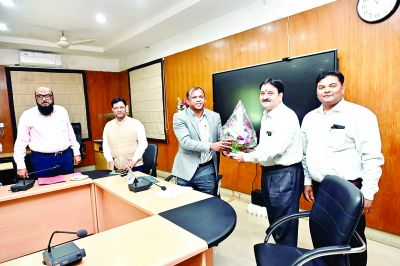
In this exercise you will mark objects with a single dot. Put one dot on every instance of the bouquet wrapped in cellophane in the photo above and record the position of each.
(238, 130)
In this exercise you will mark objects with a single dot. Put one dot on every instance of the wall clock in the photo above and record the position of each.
(374, 11)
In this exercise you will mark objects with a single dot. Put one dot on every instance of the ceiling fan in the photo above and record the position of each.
(65, 43)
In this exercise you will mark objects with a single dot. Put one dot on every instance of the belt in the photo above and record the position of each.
(206, 163)
(58, 153)
(278, 167)
(357, 182)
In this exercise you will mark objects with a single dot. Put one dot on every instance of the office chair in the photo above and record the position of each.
(150, 160)
(78, 134)
(333, 218)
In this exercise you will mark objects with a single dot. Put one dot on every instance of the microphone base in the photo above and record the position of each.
(141, 185)
(66, 254)
(22, 185)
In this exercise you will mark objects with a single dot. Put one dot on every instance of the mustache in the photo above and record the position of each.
(266, 100)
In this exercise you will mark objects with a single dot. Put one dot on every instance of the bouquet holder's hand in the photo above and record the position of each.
(238, 156)
(221, 146)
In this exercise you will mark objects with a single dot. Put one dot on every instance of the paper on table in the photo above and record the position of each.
(172, 191)
(78, 176)
(51, 180)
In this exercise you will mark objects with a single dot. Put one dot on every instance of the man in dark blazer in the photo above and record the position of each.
(198, 132)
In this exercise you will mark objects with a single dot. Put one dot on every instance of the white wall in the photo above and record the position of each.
(10, 57)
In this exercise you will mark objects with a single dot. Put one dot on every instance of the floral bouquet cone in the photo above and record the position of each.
(238, 130)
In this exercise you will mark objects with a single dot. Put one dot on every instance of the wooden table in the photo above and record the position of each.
(117, 205)
(29, 217)
(130, 230)
(150, 241)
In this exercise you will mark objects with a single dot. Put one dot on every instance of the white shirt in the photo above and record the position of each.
(204, 131)
(280, 138)
(47, 134)
(141, 139)
(344, 142)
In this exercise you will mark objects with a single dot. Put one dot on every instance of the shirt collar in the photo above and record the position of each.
(122, 121)
(194, 115)
(275, 111)
(339, 107)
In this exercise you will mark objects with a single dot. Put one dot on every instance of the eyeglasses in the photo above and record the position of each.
(119, 108)
(43, 96)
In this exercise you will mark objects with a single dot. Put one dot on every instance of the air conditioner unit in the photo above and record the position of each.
(39, 59)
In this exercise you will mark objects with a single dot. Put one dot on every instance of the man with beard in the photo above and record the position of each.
(279, 153)
(197, 130)
(47, 131)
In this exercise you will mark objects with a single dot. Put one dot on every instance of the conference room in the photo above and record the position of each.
(151, 53)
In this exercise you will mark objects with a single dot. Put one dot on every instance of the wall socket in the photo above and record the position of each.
(1, 124)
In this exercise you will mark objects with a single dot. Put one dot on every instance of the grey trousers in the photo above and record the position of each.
(281, 187)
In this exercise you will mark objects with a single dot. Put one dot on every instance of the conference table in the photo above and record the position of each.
(178, 226)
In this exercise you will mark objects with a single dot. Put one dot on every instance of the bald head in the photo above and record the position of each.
(43, 91)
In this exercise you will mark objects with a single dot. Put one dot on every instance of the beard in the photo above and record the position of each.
(46, 110)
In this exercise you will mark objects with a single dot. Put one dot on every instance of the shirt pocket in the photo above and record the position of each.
(61, 125)
(340, 139)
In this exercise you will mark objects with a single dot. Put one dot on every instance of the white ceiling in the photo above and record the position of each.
(131, 25)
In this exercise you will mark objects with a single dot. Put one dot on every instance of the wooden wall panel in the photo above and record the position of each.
(102, 87)
(368, 57)
(5, 117)
(195, 67)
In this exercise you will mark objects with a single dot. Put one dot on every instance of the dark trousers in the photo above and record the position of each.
(138, 168)
(281, 187)
(356, 259)
(41, 161)
(203, 180)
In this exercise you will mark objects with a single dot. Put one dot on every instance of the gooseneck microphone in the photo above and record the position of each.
(25, 184)
(65, 254)
(81, 233)
(42, 170)
(162, 187)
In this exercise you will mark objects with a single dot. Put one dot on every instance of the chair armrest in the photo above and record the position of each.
(282, 220)
(83, 150)
(361, 248)
(321, 252)
(331, 250)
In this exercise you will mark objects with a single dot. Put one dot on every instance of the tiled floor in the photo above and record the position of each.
(237, 249)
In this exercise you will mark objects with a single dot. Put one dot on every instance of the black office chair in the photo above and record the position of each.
(78, 134)
(150, 160)
(333, 218)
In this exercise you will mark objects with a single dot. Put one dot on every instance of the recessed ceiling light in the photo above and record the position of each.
(100, 18)
(3, 27)
(8, 3)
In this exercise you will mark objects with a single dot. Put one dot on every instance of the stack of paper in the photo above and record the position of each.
(51, 180)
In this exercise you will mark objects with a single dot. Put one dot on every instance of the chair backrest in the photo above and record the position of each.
(78, 134)
(150, 160)
(334, 215)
